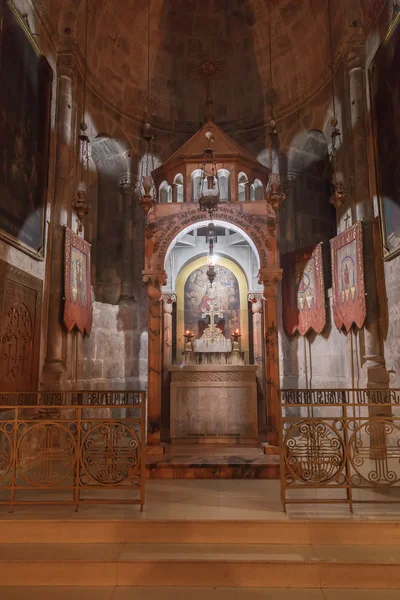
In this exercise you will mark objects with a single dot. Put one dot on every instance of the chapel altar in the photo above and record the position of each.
(211, 259)
(211, 209)
(214, 404)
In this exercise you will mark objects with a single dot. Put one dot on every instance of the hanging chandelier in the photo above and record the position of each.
(209, 193)
(271, 94)
(80, 203)
(339, 196)
(147, 188)
(148, 197)
(211, 239)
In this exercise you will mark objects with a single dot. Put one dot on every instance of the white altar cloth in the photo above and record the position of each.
(218, 345)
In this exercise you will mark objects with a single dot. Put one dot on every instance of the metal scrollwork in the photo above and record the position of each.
(374, 453)
(314, 452)
(110, 454)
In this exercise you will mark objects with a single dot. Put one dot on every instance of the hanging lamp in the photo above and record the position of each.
(148, 193)
(275, 194)
(338, 195)
(209, 192)
(80, 203)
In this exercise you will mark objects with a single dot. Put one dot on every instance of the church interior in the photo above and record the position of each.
(199, 299)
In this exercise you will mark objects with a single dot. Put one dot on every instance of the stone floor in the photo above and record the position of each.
(214, 499)
(138, 593)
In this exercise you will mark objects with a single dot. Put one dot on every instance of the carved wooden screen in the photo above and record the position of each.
(20, 308)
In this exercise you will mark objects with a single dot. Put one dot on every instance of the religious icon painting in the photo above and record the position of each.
(348, 290)
(385, 102)
(78, 297)
(25, 121)
(303, 291)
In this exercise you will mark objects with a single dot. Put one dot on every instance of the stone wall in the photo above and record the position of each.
(114, 356)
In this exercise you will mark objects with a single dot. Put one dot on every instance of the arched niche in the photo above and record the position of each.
(198, 264)
(111, 161)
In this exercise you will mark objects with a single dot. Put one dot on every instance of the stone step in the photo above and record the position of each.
(199, 463)
(199, 565)
(200, 593)
(135, 528)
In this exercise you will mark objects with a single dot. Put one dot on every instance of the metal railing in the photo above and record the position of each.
(340, 446)
(72, 398)
(84, 447)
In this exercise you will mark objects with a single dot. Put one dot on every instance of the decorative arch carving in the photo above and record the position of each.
(257, 220)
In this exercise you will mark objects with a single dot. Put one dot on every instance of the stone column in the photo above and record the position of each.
(269, 277)
(154, 282)
(61, 210)
(128, 192)
(373, 360)
(247, 191)
(168, 308)
(256, 307)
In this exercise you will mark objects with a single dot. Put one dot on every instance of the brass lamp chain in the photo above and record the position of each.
(270, 52)
(332, 58)
(148, 58)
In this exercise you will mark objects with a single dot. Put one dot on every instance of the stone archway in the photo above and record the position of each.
(257, 222)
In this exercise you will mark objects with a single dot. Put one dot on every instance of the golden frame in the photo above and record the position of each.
(387, 254)
(4, 235)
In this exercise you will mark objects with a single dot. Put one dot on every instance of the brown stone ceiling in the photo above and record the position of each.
(184, 31)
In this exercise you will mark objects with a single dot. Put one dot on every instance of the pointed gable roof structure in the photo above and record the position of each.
(228, 154)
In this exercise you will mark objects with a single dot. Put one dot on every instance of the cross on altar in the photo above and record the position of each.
(346, 220)
(213, 311)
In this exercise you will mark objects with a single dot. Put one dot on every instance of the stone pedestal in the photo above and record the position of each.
(213, 404)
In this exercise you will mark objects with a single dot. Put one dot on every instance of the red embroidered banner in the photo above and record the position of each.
(78, 296)
(348, 291)
(303, 291)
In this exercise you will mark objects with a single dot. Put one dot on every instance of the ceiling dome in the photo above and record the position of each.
(232, 33)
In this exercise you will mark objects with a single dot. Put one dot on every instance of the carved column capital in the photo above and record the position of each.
(269, 277)
(355, 58)
(168, 302)
(66, 65)
(154, 280)
(256, 302)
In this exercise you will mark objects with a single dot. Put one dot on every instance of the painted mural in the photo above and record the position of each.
(223, 294)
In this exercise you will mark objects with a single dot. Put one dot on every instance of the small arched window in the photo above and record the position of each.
(224, 185)
(257, 191)
(197, 178)
(165, 193)
(178, 182)
(243, 183)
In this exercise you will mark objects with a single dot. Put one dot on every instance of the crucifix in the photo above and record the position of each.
(214, 310)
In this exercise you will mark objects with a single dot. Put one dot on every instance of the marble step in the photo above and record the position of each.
(199, 565)
(75, 529)
(200, 593)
